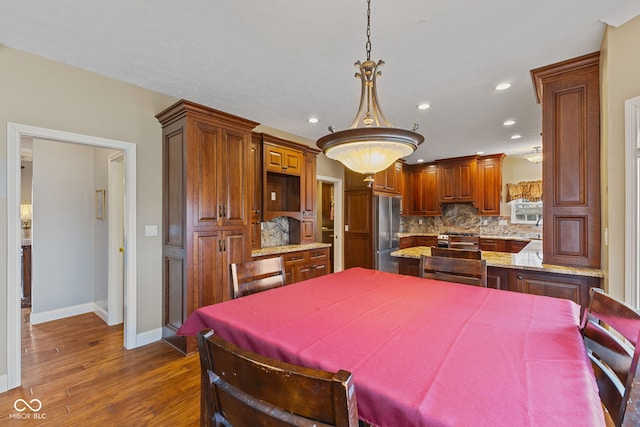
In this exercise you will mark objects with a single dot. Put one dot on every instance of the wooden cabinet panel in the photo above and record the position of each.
(207, 187)
(570, 96)
(358, 240)
(308, 186)
(458, 179)
(282, 159)
(488, 244)
(388, 180)
(490, 188)
(515, 246)
(308, 230)
(256, 194)
(497, 278)
(423, 190)
(575, 288)
(303, 265)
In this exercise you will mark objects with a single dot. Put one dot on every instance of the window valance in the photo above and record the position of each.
(529, 190)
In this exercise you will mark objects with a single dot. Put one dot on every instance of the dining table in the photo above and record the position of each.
(423, 352)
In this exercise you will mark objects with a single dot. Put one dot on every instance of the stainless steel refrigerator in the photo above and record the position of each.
(386, 221)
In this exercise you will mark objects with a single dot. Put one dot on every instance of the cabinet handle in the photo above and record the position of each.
(222, 245)
(220, 211)
(219, 245)
(295, 259)
(519, 276)
(224, 211)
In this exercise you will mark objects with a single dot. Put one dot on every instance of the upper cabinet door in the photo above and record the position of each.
(234, 182)
(282, 160)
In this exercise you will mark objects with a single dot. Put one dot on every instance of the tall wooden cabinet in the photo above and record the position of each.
(207, 189)
(570, 96)
(490, 188)
(423, 191)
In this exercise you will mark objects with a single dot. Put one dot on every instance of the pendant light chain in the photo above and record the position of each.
(368, 45)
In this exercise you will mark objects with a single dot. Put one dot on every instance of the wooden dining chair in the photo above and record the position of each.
(257, 276)
(456, 253)
(611, 330)
(242, 388)
(459, 270)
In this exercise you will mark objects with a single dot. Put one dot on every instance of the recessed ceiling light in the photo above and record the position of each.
(312, 120)
(509, 122)
(420, 160)
(479, 152)
(424, 106)
(516, 136)
(503, 86)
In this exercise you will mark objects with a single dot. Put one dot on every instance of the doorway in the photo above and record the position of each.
(15, 133)
(338, 227)
(632, 201)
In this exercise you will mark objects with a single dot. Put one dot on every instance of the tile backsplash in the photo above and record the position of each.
(463, 217)
(275, 232)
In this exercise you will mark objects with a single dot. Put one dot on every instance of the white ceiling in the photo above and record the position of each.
(279, 62)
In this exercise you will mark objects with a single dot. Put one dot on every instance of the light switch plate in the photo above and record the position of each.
(150, 230)
(273, 195)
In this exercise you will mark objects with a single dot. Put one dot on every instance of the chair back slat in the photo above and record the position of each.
(611, 331)
(456, 253)
(257, 276)
(459, 270)
(242, 388)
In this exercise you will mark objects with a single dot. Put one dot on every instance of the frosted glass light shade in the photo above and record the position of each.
(369, 150)
(25, 211)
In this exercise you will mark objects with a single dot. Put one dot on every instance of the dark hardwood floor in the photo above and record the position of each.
(82, 375)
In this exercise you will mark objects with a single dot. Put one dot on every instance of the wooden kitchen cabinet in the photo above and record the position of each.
(458, 178)
(515, 246)
(389, 180)
(358, 235)
(303, 265)
(412, 241)
(289, 185)
(490, 187)
(423, 190)
(497, 278)
(256, 197)
(572, 287)
(570, 96)
(308, 197)
(492, 244)
(281, 159)
(207, 190)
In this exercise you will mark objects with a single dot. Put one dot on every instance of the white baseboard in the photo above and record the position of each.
(148, 337)
(101, 313)
(61, 313)
(4, 383)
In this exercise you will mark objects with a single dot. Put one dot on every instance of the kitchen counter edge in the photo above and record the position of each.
(275, 250)
(529, 258)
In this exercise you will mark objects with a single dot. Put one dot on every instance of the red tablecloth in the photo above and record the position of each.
(424, 352)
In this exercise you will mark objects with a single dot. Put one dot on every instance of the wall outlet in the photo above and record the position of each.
(485, 222)
(502, 222)
(420, 221)
(273, 195)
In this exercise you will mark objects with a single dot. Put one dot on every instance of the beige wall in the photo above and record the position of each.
(43, 93)
(516, 169)
(620, 68)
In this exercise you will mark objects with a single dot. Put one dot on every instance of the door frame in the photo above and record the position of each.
(116, 208)
(15, 132)
(632, 208)
(338, 220)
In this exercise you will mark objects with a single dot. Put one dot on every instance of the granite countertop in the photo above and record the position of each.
(274, 250)
(482, 236)
(529, 258)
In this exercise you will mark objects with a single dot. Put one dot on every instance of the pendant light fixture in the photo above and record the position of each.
(371, 144)
(536, 156)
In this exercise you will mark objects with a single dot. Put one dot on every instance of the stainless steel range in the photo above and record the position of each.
(457, 240)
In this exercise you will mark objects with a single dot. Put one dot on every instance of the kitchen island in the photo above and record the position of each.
(521, 272)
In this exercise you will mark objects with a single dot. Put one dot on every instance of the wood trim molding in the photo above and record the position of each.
(539, 75)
